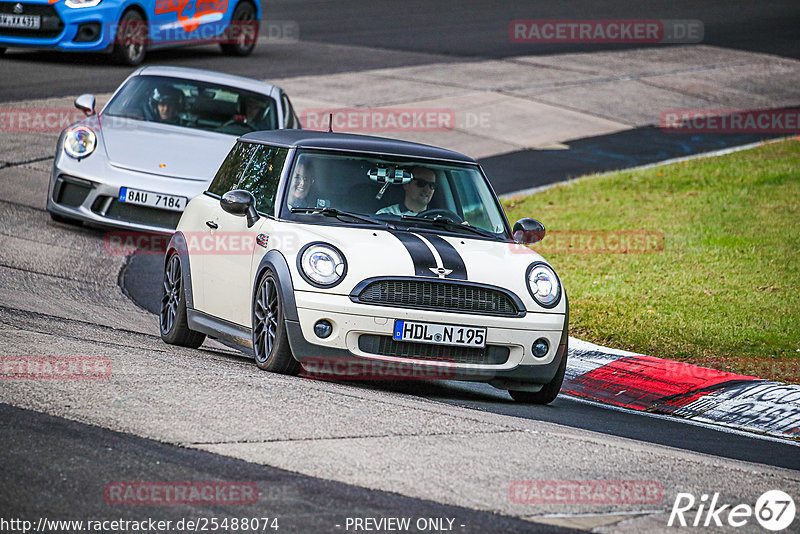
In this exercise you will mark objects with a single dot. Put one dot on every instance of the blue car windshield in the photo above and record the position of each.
(194, 104)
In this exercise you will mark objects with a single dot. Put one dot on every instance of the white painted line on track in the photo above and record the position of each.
(713, 153)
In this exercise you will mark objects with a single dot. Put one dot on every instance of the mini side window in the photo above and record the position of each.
(255, 168)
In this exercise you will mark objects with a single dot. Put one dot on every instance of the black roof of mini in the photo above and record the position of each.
(352, 143)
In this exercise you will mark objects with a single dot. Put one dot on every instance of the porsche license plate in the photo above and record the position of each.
(28, 22)
(439, 334)
(154, 200)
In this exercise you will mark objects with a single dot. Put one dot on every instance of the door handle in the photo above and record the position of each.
(212, 225)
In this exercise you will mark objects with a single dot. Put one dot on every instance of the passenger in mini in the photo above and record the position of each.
(167, 102)
(301, 185)
(419, 192)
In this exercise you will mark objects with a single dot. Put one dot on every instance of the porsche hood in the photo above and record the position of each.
(164, 150)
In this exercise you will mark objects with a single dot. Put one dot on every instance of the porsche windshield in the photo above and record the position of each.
(394, 190)
(194, 104)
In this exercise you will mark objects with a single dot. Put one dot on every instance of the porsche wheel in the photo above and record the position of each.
(131, 39)
(270, 342)
(241, 35)
(172, 318)
(549, 391)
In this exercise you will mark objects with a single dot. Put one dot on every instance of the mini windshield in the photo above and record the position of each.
(402, 191)
(194, 104)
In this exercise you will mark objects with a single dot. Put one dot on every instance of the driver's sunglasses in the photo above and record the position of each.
(419, 182)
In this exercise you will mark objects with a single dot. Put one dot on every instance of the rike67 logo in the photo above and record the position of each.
(774, 510)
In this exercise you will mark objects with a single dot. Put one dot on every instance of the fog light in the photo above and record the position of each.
(323, 329)
(540, 347)
(87, 32)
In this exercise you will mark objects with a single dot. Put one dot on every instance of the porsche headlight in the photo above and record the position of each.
(543, 285)
(75, 4)
(322, 265)
(79, 142)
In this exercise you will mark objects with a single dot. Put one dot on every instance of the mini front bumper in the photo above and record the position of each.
(88, 190)
(352, 323)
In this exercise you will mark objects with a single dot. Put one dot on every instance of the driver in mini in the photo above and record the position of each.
(419, 192)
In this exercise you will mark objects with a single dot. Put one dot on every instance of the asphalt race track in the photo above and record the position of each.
(322, 452)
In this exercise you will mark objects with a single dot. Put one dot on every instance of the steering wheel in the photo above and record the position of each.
(443, 213)
(235, 122)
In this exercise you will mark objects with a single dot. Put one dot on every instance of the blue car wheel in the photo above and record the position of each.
(130, 41)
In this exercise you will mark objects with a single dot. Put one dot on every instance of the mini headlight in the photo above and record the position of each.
(79, 142)
(322, 264)
(75, 4)
(543, 285)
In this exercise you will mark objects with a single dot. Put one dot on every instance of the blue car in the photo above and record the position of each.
(128, 28)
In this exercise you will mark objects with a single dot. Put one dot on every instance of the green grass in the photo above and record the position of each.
(725, 290)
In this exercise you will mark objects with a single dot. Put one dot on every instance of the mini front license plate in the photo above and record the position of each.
(154, 200)
(29, 22)
(439, 334)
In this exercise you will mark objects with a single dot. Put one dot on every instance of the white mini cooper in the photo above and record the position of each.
(313, 247)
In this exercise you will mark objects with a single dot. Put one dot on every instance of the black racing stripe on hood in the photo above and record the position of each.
(421, 255)
(451, 259)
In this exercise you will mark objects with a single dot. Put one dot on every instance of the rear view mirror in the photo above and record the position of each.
(240, 203)
(388, 175)
(85, 103)
(528, 231)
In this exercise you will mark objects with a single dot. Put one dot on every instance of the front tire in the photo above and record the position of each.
(270, 341)
(172, 318)
(131, 39)
(242, 34)
(549, 391)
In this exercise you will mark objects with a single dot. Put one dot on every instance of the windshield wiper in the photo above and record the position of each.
(333, 212)
(442, 221)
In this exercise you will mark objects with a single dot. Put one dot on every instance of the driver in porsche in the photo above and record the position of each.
(419, 192)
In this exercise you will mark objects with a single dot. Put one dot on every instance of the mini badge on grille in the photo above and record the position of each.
(440, 271)
(262, 240)
(18, 8)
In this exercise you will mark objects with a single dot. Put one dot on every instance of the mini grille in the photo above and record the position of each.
(440, 296)
(386, 346)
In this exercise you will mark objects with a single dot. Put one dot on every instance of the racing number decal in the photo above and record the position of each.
(186, 13)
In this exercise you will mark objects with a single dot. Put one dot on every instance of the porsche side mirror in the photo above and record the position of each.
(528, 231)
(240, 203)
(85, 103)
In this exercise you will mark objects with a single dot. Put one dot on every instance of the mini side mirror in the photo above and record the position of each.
(528, 231)
(85, 103)
(240, 203)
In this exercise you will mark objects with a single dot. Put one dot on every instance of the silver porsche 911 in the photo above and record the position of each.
(156, 144)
